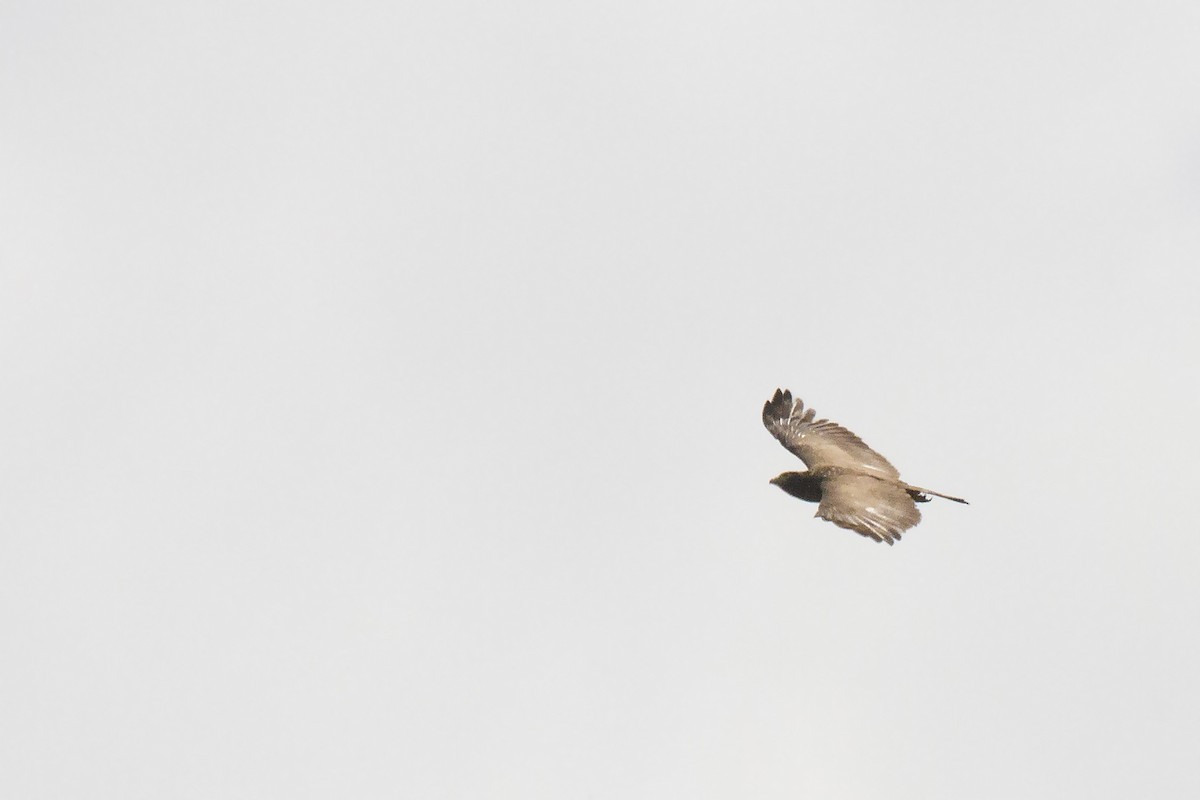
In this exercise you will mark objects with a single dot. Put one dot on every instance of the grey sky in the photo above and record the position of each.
(381, 392)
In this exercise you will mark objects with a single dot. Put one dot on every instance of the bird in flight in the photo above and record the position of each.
(856, 487)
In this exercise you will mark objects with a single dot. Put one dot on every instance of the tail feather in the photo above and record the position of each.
(919, 490)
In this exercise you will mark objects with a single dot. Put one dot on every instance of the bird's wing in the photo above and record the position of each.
(819, 442)
(878, 509)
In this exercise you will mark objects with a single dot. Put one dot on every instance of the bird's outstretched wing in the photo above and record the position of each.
(819, 442)
(877, 509)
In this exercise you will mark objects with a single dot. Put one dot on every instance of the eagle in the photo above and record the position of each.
(856, 487)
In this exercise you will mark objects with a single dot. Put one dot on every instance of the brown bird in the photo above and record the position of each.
(856, 487)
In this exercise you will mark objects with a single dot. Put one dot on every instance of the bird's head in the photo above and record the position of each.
(783, 477)
(799, 484)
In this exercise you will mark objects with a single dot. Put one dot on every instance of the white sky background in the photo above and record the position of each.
(382, 382)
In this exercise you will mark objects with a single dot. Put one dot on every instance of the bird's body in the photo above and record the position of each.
(857, 488)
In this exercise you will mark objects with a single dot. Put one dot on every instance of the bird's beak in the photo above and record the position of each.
(774, 481)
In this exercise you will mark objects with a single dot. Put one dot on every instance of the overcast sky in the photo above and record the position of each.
(381, 392)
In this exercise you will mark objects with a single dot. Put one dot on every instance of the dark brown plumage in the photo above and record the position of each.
(856, 487)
